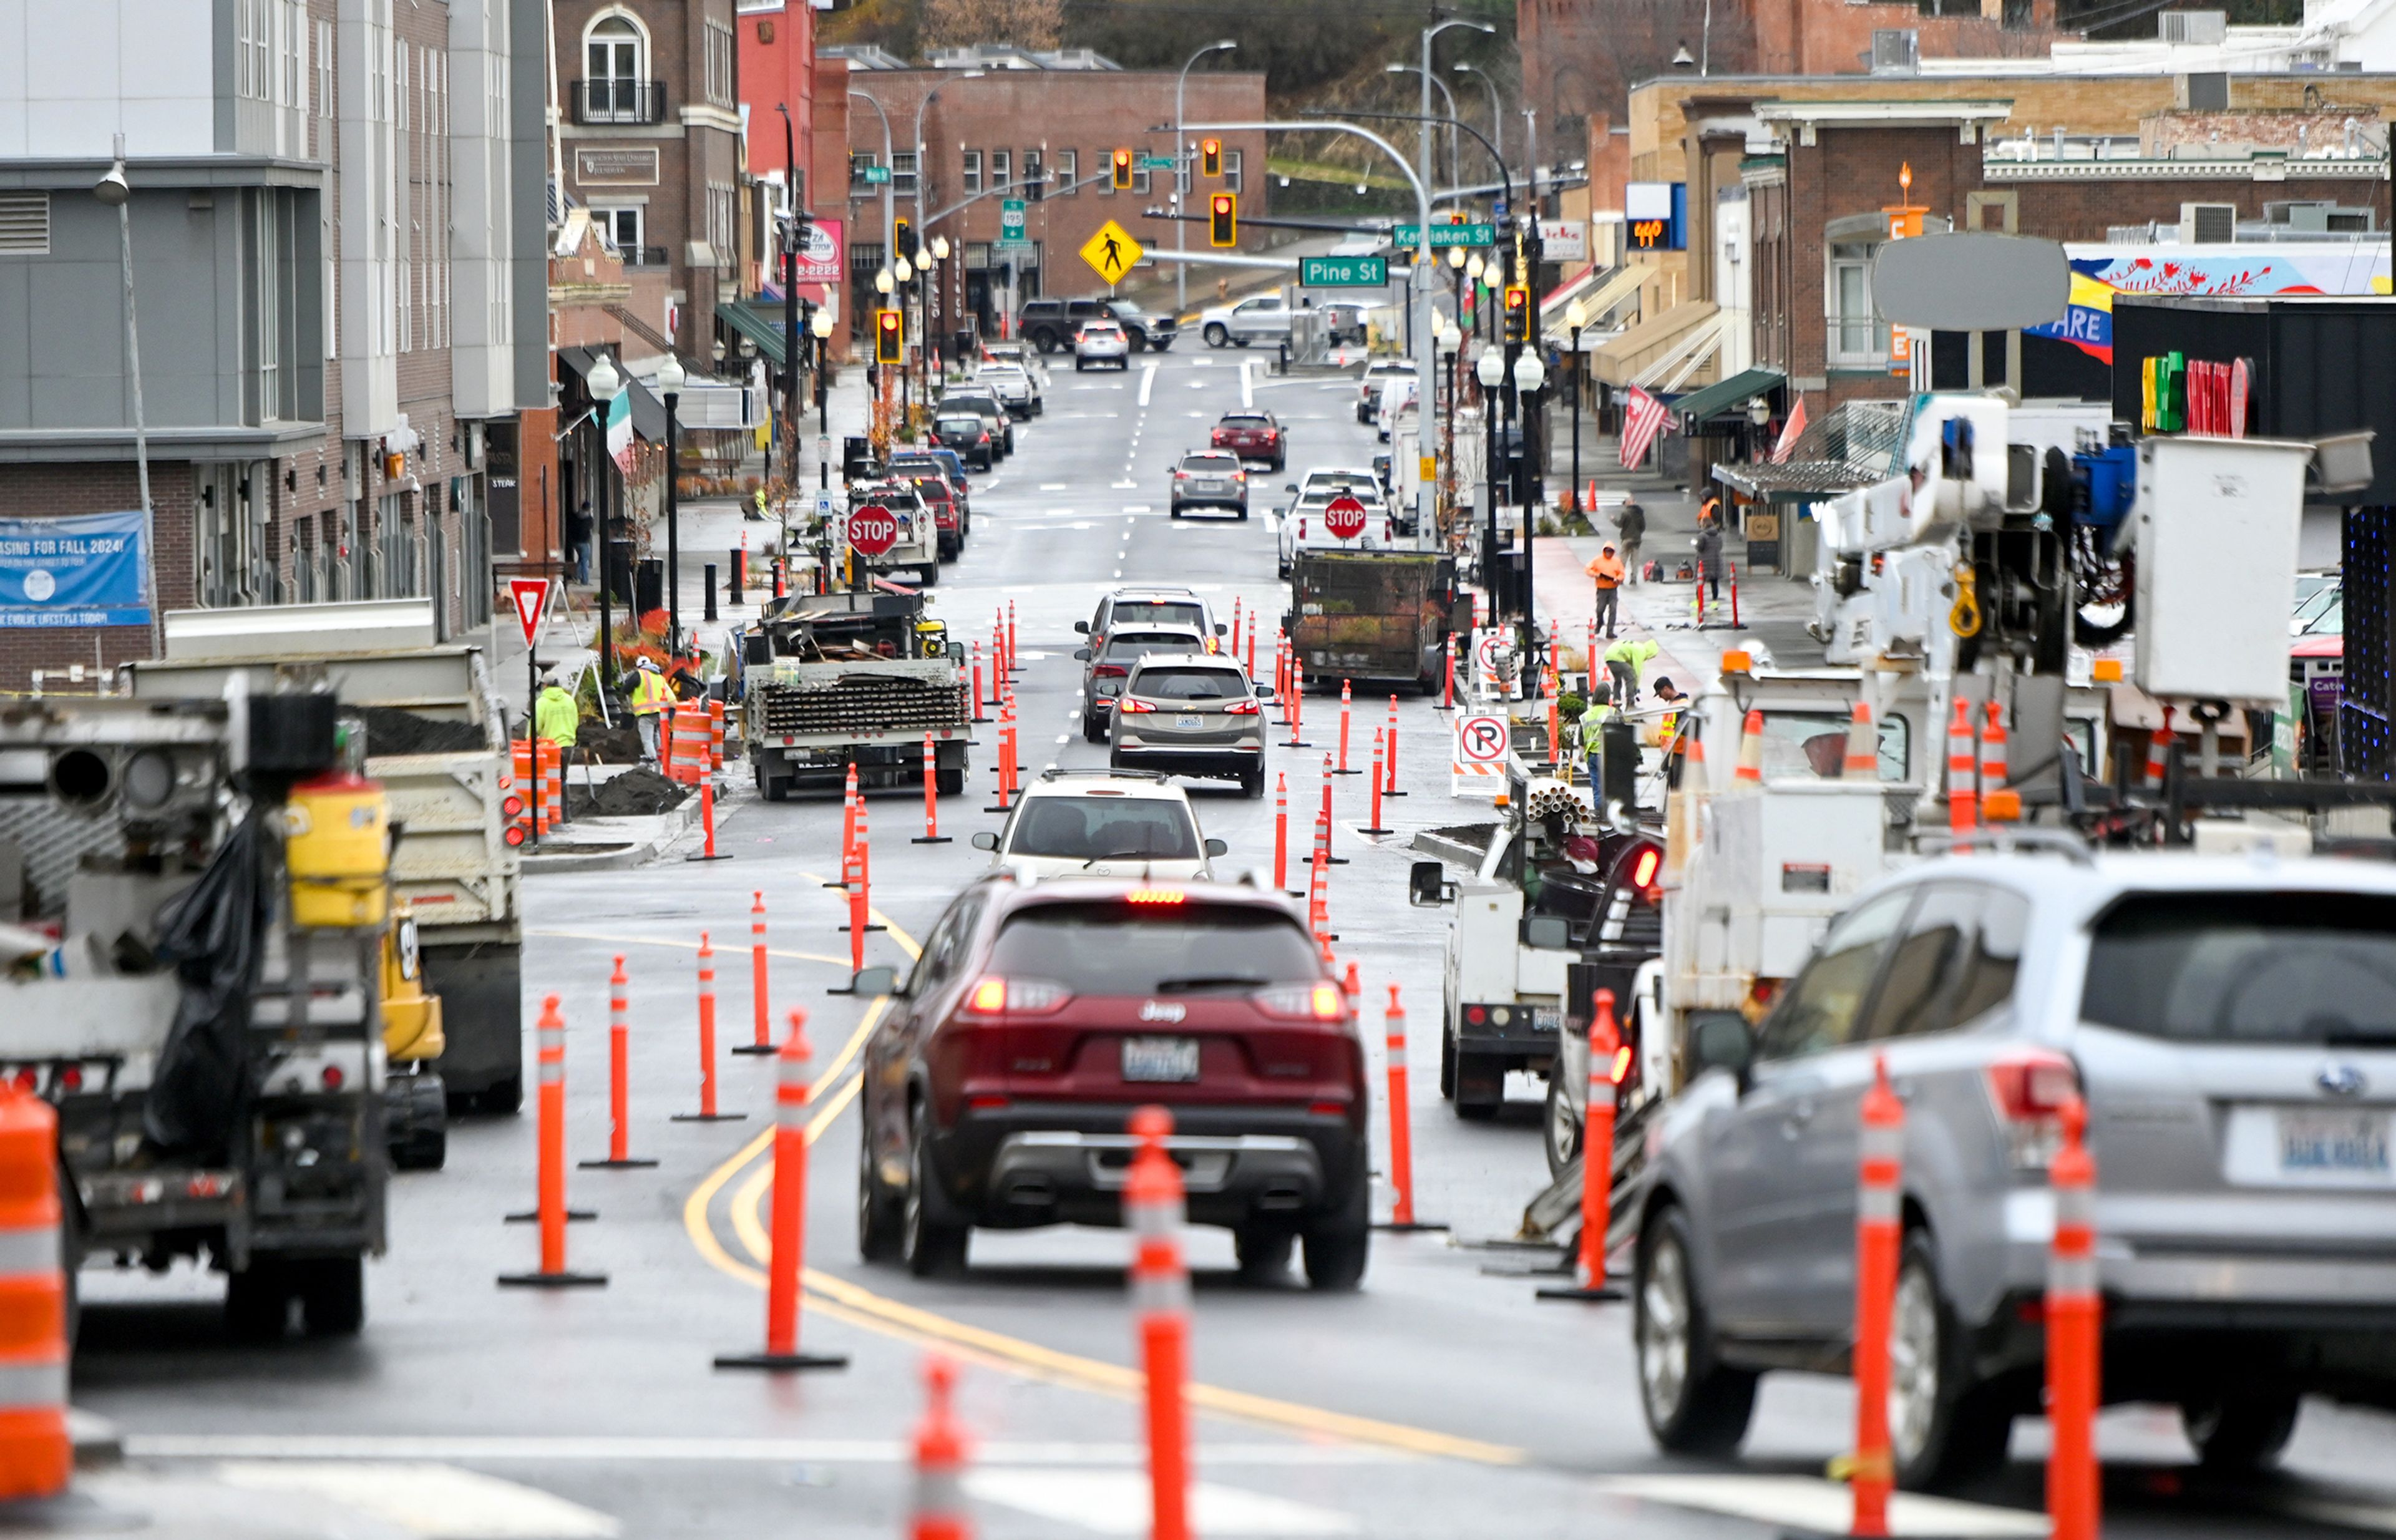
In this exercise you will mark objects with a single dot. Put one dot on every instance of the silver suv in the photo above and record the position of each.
(1192, 713)
(2231, 1025)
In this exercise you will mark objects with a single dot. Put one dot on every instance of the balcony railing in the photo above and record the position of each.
(644, 256)
(620, 100)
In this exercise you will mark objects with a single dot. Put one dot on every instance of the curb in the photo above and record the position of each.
(1452, 851)
(672, 825)
(99, 1442)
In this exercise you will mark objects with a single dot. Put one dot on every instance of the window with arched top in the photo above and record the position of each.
(615, 87)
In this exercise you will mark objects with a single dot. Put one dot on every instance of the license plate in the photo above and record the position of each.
(1210, 486)
(1547, 1019)
(1160, 1058)
(2344, 1145)
(1188, 724)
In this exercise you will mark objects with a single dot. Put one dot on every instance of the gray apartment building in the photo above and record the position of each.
(337, 227)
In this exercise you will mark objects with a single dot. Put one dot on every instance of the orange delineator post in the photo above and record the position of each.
(854, 874)
(931, 834)
(1448, 675)
(1879, 1234)
(36, 1453)
(2159, 752)
(1281, 830)
(1607, 1063)
(620, 1076)
(551, 1147)
(789, 1218)
(760, 992)
(940, 1449)
(1375, 826)
(1235, 626)
(707, 822)
(850, 801)
(1252, 650)
(1014, 658)
(1993, 751)
(1343, 769)
(707, 1112)
(1297, 703)
(1962, 768)
(1402, 1140)
(2074, 1321)
(1751, 750)
(977, 715)
(1390, 787)
(1005, 755)
(1160, 1298)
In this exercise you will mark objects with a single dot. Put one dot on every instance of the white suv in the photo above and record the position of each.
(1100, 342)
(1103, 823)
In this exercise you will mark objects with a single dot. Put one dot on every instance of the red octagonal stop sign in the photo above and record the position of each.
(1344, 516)
(872, 529)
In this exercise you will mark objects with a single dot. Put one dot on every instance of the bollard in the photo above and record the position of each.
(1448, 675)
(1005, 756)
(1013, 658)
(1375, 826)
(738, 574)
(759, 995)
(36, 1452)
(1235, 625)
(2074, 1311)
(931, 834)
(620, 1055)
(786, 1253)
(551, 1031)
(1390, 788)
(977, 713)
(1160, 1298)
(1879, 1233)
(1402, 1138)
(1252, 650)
(707, 1112)
(1734, 596)
(707, 610)
(1608, 1062)
(1343, 769)
(1328, 859)
(707, 852)
(1962, 767)
(1281, 830)
(1297, 703)
(939, 1504)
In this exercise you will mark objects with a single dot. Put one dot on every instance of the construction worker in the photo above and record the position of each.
(1623, 661)
(556, 717)
(1666, 733)
(1709, 557)
(1606, 572)
(1593, 718)
(1631, 523)
(652, 699)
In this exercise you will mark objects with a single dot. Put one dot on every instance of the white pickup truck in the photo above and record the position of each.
(1260, 317)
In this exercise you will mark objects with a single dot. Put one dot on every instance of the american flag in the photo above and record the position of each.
(1790, 432)
(1643, 421)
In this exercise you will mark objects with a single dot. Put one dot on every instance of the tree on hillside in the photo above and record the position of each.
(1035, 24)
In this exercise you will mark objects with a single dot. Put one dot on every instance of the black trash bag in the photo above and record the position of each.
(213, 934)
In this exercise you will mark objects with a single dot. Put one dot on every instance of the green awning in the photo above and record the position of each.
(1700, 405)
(754, 323)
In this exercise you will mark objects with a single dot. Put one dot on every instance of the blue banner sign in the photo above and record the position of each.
(83, 569)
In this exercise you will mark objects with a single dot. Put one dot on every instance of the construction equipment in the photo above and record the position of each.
(827, 681)
(437, 742)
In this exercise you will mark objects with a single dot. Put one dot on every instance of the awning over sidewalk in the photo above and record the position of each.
(1599, 297)
(1655, 345)
(1698, 407)
(750, 322)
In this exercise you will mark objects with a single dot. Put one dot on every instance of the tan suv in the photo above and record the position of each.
(1192, 713)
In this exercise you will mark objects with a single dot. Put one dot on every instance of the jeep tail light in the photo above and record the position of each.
(1242, 707)
(2028, 1090)
(1301, 1002)
(996, 996)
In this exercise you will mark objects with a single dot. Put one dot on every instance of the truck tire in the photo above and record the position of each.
(416, 1119)
(480, 986)
(257, 1302)
(1480, 1086)
(1216, 336)
(949, 782)
(505, 1098)
(332, 1293)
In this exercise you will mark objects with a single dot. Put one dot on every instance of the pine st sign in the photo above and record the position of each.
(1112, 253)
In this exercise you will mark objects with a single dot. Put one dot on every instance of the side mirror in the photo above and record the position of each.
(1217, 847)
(1081, 655)
(1289, 487)
(1547, 933)
(874, 981)
(1265, 694)
(1080, 628)
(1222, 629)
(1722, 1040)
(985, 841)
(1427, 885)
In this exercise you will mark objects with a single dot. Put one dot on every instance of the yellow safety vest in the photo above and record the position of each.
(651, 694)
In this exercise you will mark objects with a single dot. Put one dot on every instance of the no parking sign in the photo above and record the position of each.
(1478, 766)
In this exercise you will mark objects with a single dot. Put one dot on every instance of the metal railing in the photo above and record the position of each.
(618, 100)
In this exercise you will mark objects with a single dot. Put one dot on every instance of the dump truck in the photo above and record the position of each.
(437, 741)
(826, 681)
(1382, 617)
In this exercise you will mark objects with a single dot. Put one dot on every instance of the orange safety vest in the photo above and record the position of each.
(1607, 571)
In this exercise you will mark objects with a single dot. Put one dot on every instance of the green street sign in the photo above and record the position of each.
(1010, 218)
(1156, 163)
(1343, 272)
(876, 175)
(1446, 236)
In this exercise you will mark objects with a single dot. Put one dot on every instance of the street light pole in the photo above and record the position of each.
(1577, 321)
(1490, 369)
(794, 241)
(890, 187)
(1497, 107)
(1181, 164)
(1455, 174)
(670, 379)
(1530, 375)
(1422, 131)
(117, 190)
(604, 385)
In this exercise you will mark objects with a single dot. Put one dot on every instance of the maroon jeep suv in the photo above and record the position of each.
(1000, 1079)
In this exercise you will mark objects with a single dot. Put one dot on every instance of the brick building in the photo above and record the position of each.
(778, 73)
(650, 141)
(336, 239)
(1043, 125)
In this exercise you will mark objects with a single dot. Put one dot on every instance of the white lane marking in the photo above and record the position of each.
(1138, 508)
(1147, 382)
(1201, 362)
(1807, 1503)
(1123, 485)
(1116, 1502)
(1064, 737)
(432, 1500)
(1247, 383)
(398, 1448)
(1054, 486)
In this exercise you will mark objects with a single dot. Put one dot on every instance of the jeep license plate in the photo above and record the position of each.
(1160, 1058)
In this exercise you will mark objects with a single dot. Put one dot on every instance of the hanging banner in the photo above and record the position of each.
(619, 430)
(83, 569)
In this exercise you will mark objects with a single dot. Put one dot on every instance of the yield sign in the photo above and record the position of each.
(530, 596)
(1344, 516)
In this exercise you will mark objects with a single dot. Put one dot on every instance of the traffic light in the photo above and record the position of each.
(904, 238)
(889, 336)
(1123, 171)
(1223, 219)
(1210, 156)
(1518, 313)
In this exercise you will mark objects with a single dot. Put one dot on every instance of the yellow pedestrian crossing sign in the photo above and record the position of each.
(1111, 252)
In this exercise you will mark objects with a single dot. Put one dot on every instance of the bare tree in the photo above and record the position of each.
(961, 23)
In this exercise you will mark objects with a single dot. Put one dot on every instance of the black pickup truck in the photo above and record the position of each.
(1050, 325)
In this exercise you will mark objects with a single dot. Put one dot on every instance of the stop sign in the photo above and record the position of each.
(872, 529)
(1344, 516)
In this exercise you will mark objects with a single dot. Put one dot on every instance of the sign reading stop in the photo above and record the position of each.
(872, 529)
(1344, 517)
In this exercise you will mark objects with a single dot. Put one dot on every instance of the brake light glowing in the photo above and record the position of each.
(997, 996)
(1133, 705)
(989, 996)
(1642, 871)
(1239, 476)
(1327, 1108)
(1181, 475)
(1302, 1002)
(1241, 708)
(1155, 895)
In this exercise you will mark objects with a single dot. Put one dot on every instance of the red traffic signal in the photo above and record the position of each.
(1122, 170)
(889, 336)
(1518, 313)
(1223, 219)
(1210, 156)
